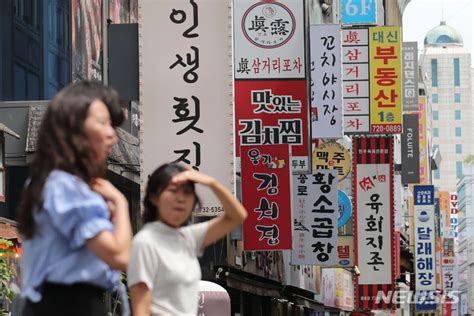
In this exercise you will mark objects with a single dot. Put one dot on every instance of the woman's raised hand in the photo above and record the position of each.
(192, 175)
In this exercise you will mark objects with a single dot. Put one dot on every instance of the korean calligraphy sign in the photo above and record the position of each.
(424, 217)
(271, 84)
(372, 100)
(385, 80)
(186, 103)
(332, 155)
(272, 113)
(326, 81)
(266, 195)
(373, 219)
(355, 71)
(315, 217)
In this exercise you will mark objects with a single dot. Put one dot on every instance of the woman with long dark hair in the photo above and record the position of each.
(164, 272)
(75, 224)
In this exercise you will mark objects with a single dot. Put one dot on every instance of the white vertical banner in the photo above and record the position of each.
(326, 81)
(315, 216)
(424, 224)
(374, 243)
(449, 279)
(186, 89)
(356, 87)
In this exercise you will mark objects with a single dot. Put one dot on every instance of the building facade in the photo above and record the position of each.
(446, 66)
(465, 241)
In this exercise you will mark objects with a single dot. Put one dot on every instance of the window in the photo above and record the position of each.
(457, 81)
(458, 148)
(434, 97)
(37, 41)
(457, 132)
(436, 174)
(458, 169)
(457, 115)
(435, 115)
(434, 72)
(435, 132)
(457, 97)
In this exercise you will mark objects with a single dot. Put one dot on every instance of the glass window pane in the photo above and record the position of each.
(457, 81)
(457, 97)
(458, 169)
(457, 115)
(434, 72)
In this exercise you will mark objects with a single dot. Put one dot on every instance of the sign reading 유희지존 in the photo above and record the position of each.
(373, 219)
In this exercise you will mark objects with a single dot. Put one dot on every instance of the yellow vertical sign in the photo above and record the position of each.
(385, 80)
(423, 142)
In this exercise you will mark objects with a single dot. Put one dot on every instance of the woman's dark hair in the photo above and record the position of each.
(157, 182)
(62, 143)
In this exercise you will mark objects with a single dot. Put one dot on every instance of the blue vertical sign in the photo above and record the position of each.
(359, 12)
(425, 260)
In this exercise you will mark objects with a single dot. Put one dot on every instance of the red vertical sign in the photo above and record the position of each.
(266, 194)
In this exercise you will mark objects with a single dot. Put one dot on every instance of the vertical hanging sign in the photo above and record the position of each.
(410, 149)
(385, 80)
(410, 76)
(424, 218)
(326, 81)
(423, 145)
(453, 214)
(373, 220)
(271, 79)
(315, 213)
(355, 70)
(186, 89)
(266, 194)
